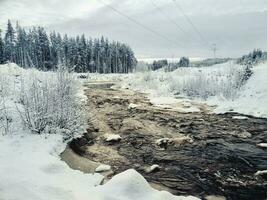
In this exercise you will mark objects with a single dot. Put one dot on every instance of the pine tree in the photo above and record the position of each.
(2, 59)
(89, 56)
(81, 54)
(9, 50)
(65, 51)
(184, 62)
(43, 49)
(21, 47)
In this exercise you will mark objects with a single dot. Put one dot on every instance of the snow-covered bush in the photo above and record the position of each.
(142, 67)
(5, 119)
(184, 62)
(219, 80)
(49, 103)
(253, 58)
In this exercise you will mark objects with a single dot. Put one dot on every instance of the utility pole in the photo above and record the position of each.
(214, 49)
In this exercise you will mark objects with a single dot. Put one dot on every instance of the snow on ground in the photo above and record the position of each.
(170, 60)
(31, 168)
(252, 98)
(130, 182)
(217, 86)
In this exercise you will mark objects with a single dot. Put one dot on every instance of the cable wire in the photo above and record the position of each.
(191, 23)
(138, 23)
(169, 18)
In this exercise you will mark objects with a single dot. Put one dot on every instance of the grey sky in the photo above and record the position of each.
(236, 26)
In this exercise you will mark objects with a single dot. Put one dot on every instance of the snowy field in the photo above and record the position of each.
(251, 99)
(30, 166)
(170, 60)
(219, 85)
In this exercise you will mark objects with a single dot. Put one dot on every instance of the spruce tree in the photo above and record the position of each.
(2, 59)
(9, 50)
(21, 47)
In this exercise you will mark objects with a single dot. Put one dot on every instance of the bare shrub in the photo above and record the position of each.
(50, 103)
(224, 81)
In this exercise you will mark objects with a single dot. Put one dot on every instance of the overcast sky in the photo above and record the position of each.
(236, 26)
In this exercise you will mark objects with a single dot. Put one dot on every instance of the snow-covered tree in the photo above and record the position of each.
(9, 50)
(2, 59)
(36, 48)
(184, 62)
(159, 64)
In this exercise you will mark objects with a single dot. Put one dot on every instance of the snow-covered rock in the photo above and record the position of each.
(152, 168)
(178, 141)
(103, 168)
(186, 104)
(263, 145)
(181, 140)
(162, 141)
(260, 173)
(132, 105)
(240, 117)
(112, 137)
(244, 134)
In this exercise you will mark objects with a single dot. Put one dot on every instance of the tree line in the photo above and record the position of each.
(253, 58)
(158, 64)
(36, 48)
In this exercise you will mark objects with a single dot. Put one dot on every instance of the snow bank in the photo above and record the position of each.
(252, 98)
(31, 169)
(11, 69)
(217, 85)
(130, 185)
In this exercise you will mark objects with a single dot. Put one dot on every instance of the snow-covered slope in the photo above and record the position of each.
(215, 85)
(252, 98)
(31, 168)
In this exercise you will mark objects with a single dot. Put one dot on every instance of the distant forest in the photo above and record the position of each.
(36, 48)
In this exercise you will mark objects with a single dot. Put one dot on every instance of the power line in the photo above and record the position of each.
(172, 20)
(138, 23)
(190, 22)
(169, 18)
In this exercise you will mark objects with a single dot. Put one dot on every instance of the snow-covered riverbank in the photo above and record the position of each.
(217, 86)
(31, 167)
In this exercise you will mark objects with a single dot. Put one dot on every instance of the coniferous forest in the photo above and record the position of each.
(45, 51)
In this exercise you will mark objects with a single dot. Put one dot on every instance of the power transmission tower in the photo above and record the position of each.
(214, 49)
